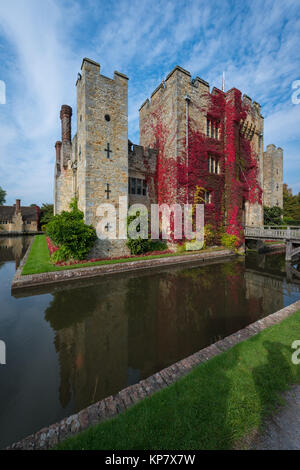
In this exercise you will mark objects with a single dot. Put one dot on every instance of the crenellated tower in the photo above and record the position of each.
(273, 176)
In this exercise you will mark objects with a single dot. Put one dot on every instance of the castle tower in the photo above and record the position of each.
(212, 141)
(252, 129)
(273, 176)
(102, 146)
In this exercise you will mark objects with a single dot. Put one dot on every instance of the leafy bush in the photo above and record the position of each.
(287, 221)
(272, 215)
(230, 241)
(139, 246)
(69, 232)
(209, 235)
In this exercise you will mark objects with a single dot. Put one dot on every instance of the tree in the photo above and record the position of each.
(46, 213)
(2, 196)
(291, 205)
(272, 215)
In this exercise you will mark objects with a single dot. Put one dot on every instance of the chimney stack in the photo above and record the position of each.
(65, 116)
(18, 206)
(58, 145)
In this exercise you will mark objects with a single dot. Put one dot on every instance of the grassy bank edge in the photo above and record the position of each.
(213, 407)
(38, 260)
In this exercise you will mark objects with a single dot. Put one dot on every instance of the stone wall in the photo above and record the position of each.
(142, 164)
(273, 176)
(179, 106)
(253, 129)
(102, 142)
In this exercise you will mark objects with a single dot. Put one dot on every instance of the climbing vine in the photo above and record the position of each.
(186, 177)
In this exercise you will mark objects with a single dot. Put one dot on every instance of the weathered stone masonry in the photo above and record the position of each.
(100, 165)
(273, 176)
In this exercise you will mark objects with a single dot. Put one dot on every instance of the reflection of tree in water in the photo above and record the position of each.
(69, 307)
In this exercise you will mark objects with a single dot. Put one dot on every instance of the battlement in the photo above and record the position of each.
(274, 151)
(181, 75)
(253, 105)
(89, 66)
(139, 151)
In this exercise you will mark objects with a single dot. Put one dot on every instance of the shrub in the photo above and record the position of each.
(230, 241)
(69, 232)
(272, 215)
(209, 235)
(139, 246)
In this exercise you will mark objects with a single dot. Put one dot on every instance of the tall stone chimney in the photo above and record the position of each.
(58, 145)
(18, 206)
(65, 116)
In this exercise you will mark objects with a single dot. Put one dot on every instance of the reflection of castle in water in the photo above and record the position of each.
(123, 329)
(13, 248)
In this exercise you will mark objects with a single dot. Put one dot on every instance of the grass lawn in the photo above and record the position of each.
(38, 260)
(214, 406)
(278, 242)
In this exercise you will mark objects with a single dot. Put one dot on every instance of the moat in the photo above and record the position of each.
(72, 345)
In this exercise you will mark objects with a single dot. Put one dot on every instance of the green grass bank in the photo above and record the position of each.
(38, 260)
(214, 407)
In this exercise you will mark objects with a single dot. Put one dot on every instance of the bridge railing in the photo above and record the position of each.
(276, 232)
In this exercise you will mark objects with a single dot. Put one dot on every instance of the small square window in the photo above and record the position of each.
(207, 197)
(133, 186)
(144, 188)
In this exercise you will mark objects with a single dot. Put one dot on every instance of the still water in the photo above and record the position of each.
(72, 345)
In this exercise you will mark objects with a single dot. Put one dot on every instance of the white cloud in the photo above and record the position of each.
(258, 51)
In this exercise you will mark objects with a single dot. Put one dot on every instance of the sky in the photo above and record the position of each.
(43, 42)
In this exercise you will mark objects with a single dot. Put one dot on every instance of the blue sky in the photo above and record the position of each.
(42, 44)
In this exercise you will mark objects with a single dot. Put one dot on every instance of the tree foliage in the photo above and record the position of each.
(69, 232)
(291, 205)
(46, 213)
(2, 196)
(272, 215)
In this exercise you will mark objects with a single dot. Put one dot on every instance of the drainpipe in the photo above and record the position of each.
(187, 102)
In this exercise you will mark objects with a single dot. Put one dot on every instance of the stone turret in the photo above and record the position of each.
(273, 176)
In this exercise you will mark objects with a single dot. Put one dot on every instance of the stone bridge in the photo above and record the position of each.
(290, 235)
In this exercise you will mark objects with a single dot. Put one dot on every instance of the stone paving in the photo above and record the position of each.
(282, 429)
(111, 406)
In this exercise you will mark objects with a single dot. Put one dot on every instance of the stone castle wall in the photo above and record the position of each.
(102, 142)
(96, 165)
(142, 164)
(273, 176)
(180, 106)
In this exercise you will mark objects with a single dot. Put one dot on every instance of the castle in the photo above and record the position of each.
(195, 146)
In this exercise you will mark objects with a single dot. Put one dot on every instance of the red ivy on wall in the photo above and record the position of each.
(178, 177)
